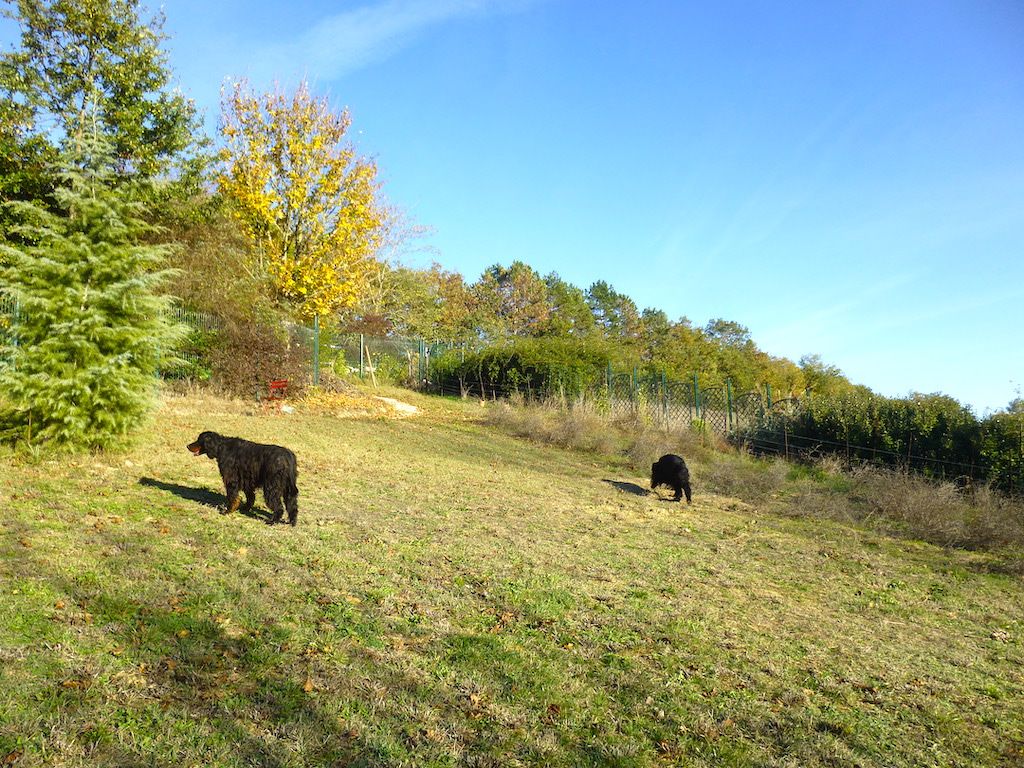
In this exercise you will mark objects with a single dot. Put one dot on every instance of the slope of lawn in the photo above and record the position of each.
(454, 596)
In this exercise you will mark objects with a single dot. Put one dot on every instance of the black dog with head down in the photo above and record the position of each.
(246, 466)
(671, 470)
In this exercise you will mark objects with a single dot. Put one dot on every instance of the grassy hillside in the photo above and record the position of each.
(454, 596)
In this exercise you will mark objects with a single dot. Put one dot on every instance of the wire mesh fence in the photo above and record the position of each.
(392, 360)
(756, 420)
(191, 360)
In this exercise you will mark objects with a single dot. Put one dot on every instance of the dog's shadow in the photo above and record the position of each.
(631, 488)
(202, 496)
(635, 490)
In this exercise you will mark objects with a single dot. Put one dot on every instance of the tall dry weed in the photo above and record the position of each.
(580, 427)
(939, 512)
(890, 502)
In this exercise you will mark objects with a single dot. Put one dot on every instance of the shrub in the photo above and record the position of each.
(390, 371)
(535, 367)
(250, 354)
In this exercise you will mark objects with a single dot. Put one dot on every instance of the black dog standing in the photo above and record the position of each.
(671, 470)
(246, 466)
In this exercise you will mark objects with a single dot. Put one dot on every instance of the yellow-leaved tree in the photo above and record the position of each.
(307, 201)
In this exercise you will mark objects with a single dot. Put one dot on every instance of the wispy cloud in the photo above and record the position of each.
(345, 42)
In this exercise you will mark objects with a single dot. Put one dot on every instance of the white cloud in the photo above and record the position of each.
(344, 42)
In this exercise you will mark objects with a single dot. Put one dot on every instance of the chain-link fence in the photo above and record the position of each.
(389, 360)
(763, 423)
(674, 404)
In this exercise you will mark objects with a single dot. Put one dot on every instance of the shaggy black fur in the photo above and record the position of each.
(671, 470)
(246, 466)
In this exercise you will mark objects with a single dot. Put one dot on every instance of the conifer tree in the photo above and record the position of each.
(80, 362)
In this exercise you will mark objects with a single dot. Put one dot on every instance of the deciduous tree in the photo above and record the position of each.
(514, 299)
(308, 202)
(101, 62)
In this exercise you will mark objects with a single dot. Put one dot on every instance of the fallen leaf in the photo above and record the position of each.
(59, 605)
(183, 633)
(11, 757)
(308, 687)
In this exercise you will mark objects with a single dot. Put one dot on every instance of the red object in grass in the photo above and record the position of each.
(277, 389)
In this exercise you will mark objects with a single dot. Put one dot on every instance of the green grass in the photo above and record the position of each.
(455, 596)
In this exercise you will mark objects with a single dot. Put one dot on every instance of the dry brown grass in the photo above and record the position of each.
(349, 404)
(939, 512)
(580, 426)
(909, 506)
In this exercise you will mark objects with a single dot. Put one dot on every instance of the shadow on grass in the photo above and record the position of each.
(202, 496)
(632, 488)
(194, 671)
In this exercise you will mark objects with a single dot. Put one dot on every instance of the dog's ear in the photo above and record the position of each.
(211, 443)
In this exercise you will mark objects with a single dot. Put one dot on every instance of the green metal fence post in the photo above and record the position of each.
(728, 402)
(768, 394)
(316, 350)
(696, 397)
(664, 399)
(633, 393)
(360, 357)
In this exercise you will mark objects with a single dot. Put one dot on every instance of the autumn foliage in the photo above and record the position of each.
(308, 203)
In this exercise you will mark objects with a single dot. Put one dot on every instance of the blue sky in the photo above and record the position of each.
(843, 178)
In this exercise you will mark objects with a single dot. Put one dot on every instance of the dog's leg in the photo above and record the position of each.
(686, 488)
(250, 499)
(233, 499)
(273, 496)
(277, 508)
(291, 503)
